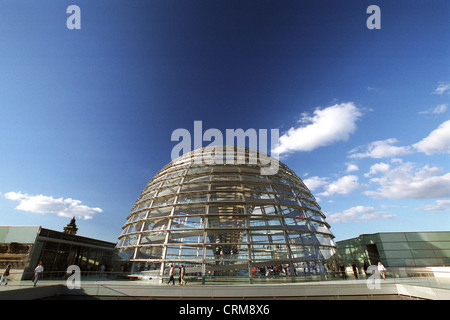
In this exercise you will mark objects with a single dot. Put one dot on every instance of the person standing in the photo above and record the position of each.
(5, 275)
(37, 273)
(382, 270)
(171, 274)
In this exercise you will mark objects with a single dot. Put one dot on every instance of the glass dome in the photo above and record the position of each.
(225, 218)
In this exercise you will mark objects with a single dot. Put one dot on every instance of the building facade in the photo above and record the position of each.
(397, 249)
(224, 218)
(24, 246)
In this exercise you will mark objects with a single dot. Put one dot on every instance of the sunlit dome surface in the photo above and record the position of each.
(227, 219)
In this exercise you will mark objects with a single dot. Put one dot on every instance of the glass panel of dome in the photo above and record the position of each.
(308, 239)
(148, 195)
(259, 196)
(254, 210)
(175, 174)
(225, 196)
(297, 250)
(172, 182)
(197, 170)
(194, 187)
(196, 179)
(307, 204)
(250, 171)
(225, 222)
(293, 212)
(168, 191)
(292, 222)
(135, 227)
(191, 252)
(157, 212)
(226, 210)
(287, 200)
(225, 236)
(210, 253)
(225, 169)
(142, 205)
(324, 240)
(149, 253)
(263, 221)
(278, 180)
(186, 222)
(278, 237)
(137, 216)
(271, 210)
(260, 187)
(227, 177)
(302, 194)
(125, 253)
(257, 178)
(226, 187)
(150, 187)
(294, 237)
(259, 255)
(156, 224)
(153, 237)
(278, 189)
(188, 210)
(129, 240)
(191, 198)
(314, 215)
(186, 236)
(162, 201)
(257, 236)
(172, 252)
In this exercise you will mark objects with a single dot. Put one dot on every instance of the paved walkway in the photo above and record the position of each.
(335, 289)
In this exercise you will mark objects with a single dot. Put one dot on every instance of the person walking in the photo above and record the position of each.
(382, 270)
(355, 270)
(342, 271)
(37, 273)
(171, 274)
(181, 278)
(5, 275)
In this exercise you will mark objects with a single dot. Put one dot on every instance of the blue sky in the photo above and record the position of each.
(86, 116)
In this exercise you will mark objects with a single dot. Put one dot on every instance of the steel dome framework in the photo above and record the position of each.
(224, 218)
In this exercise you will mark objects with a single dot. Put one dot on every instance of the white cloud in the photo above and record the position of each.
(351, 167)
(358, 214)
(437, 110)
(440, 108)
(376, 168)
(438, 141)
(439, 207)
(324, 127)
(380, 149)
(406, 181)
(49, 205)
(314, 183)
(442, 88)
(344, 185)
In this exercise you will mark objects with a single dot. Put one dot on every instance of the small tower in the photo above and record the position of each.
(71, 228)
